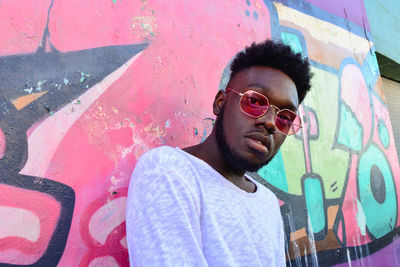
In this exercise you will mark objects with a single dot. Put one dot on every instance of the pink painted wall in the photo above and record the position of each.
(86, 87)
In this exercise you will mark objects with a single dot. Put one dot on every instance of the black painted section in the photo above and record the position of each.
(388, 68)
(65, 77)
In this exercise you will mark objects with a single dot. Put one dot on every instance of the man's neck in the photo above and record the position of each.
(209, 152)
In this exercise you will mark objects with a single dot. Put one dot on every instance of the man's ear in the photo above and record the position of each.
(219, 102)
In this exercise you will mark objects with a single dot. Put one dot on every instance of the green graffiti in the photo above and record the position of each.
(377, 192)
(293, 164)
(274, 173)
(350, 130)
(83, 77)
(292, 40)
(332, 165)
(315, 203)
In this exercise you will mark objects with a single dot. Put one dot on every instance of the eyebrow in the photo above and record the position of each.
(289, 106)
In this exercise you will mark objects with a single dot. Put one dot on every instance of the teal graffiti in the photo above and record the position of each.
(373, 65)
(292, 40)
(315, 203)
(255, 15)
(377, 192)
(370, 70)
(274, 173)
(383, 133)
(204, 136)
(350, 130)
(226, 74)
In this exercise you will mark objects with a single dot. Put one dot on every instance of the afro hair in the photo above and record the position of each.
(278, 56)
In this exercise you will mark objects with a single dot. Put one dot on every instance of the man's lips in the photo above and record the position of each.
(259, 141)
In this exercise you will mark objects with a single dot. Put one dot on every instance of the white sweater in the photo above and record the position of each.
(181, 212)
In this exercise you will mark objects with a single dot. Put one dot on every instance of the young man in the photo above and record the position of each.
(197, 206)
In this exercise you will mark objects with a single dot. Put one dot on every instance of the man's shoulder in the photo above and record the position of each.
(164, 165)
(166, 158)
(161, 154)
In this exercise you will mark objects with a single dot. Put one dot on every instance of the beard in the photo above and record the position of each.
(230, 154)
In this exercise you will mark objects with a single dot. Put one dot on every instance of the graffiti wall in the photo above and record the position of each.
(86, 87)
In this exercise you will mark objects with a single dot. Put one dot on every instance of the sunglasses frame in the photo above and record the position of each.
(265, 112)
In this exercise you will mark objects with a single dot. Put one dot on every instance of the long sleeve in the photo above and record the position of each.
(163, 225)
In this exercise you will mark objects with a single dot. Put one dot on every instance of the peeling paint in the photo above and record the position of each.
(167, 124)
(114, 181)
(139, 146)
(29, 90)
(145, 24)
(84, 76)
(155, 130)
(39, 85)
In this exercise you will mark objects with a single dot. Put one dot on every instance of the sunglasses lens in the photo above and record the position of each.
(287, 122)
(254, 103)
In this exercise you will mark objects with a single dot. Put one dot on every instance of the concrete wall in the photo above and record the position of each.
(384, 19)
(385, 29)
(86, 87)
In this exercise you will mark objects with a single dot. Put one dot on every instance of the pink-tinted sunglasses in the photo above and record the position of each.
(256, 105)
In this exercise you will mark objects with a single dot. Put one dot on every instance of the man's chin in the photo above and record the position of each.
(244, 164)
(253, 167)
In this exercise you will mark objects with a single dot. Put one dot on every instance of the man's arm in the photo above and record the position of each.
(162, 224)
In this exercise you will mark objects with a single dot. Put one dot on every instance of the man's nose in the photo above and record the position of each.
(268, 119)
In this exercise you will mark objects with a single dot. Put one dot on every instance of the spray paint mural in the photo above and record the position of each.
(338, 192)
(87, 87)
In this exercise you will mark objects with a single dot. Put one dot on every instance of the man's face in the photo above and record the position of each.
(238, 134)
